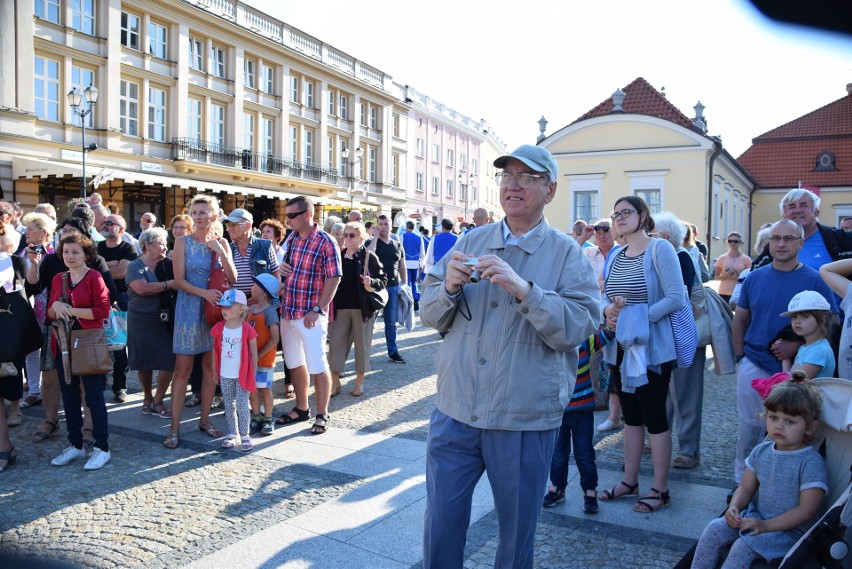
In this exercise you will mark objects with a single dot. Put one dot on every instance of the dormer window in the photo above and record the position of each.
(825, 162)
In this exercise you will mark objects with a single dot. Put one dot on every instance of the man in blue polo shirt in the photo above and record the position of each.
(440, 244)
(415, 255)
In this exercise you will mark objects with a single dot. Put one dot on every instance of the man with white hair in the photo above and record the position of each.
(118, 254)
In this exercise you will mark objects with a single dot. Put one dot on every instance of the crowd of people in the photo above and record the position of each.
(540, 330)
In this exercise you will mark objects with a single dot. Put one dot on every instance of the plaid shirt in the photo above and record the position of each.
(314, 260)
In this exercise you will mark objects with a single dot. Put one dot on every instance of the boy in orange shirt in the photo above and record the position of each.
(263, 317)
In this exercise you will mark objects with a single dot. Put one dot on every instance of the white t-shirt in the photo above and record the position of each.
(232, 351)
(844, 360)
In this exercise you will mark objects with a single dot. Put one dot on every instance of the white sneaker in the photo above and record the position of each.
(68, 455)
(609, 425)
(97, 459)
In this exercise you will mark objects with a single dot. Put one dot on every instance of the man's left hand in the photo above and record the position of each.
(311, 319)
(500, 273)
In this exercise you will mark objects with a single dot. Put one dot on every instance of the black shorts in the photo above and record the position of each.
(647, 405)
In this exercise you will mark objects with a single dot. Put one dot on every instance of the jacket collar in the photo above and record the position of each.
(529, 244)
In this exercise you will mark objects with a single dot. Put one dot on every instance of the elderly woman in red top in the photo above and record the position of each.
(86, 305)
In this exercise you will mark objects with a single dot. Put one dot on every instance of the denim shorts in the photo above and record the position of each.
(263, 377)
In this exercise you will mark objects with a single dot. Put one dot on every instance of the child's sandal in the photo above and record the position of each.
(246, 444)
(230, 441)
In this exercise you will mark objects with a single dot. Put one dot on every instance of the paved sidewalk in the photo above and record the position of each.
(353, 497)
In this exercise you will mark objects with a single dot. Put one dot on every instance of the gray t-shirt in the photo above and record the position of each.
(137, 304)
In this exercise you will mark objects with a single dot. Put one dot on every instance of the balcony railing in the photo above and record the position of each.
(211, 153)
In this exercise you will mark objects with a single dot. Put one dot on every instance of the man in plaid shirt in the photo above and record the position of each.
(311, 272)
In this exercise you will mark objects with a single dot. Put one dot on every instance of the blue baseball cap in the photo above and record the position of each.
(538, 158)
(269, 283)
(233, 296)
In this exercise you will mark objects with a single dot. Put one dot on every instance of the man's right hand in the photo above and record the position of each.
(285, 270)
(458, 273)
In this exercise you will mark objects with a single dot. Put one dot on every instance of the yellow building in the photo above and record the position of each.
(638, 143)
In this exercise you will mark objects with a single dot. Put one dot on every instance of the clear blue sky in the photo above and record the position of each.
(512, 62)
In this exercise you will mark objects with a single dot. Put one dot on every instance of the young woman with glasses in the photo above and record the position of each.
(730, 265)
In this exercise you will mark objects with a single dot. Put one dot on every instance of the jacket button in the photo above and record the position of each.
(525, 310)
(474, 419)
(493, 304)
(482, 361)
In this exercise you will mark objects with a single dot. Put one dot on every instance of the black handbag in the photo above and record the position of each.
(19, 327)
(378, 298)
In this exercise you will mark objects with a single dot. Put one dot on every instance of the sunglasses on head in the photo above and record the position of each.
(295, 214)
(604, 228)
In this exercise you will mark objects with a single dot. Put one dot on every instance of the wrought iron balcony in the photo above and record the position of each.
(244, 159)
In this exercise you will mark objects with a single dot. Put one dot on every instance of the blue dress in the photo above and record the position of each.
(192, 335)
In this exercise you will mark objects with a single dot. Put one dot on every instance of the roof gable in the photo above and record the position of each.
(642, 99)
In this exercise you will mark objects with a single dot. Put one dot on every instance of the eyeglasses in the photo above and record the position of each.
(604, 228)
(5, 212)
(524, 179)
(350, 235)
(734, 241)
(231, 224)
(295, 214)
(110, 223)
(616, 215)
(784, 238)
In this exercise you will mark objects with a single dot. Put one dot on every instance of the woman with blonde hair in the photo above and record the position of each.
(192, 260)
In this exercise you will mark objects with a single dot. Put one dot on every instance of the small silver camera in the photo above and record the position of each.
(476, 275)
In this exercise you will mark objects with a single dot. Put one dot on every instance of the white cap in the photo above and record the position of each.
(806, 300)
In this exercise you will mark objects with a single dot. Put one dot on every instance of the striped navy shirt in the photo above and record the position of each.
(627, 279)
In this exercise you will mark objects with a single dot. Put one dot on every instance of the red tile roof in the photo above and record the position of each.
(787, 155)
(642, 99)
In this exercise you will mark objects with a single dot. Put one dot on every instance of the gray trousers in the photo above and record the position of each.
(684, 404)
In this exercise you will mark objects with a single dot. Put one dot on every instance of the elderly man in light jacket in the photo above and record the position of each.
(507, 367)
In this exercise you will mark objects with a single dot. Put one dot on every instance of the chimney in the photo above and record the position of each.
(849, 88)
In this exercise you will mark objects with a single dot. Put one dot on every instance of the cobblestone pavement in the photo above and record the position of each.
(156, 508)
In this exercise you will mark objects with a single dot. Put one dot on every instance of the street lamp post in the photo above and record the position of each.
(359, 152)
(470, 180)
(75, 100)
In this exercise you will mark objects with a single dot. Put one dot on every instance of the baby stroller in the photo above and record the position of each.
(826, 544)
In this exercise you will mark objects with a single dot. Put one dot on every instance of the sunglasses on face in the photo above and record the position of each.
(110, 223)
(604, 228)
(232, 224)
(734, 241)
(295, 214)
(351, 235)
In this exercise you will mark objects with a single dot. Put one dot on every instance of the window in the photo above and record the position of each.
(46, 87)
(83, 16)
(309, 147)
(436, 153)
(248, 73)
(217, 61)
(371, 163)
(268, 80)
(309, 94)
(342, 110)
(128, 108)
(395, 169)
(82, 78)
(217, 125)
(421, 148)
(474, 166)
(395, 120)
(248, 131)
(193, 119)
(266, 146)
(156, 114)
(586, 206)
(449, 188)
(330, 146)
(294, 142)
(47, 10)
(342, 160)
(294, 89)
(652, 198)
(374, 118)
(436, 185)
(451, 154)
(363, 114)
(419, 184)
(463, 161)
(196, 54)
(332, 97)
(157, 40)
(129, 30)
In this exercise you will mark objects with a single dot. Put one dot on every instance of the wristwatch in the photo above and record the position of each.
(317, 309)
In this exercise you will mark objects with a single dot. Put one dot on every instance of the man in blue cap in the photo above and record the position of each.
(507, 368)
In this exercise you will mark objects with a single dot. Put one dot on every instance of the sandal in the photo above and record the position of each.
(301, 415)
(320, 425)
(230, 441)
(246, 444)
(10, 456)
(88, 442)
(30, 400)
(148, 406)
(160, 410)
(193, 401)
(644, 507)
(211, 431)
(41, 436)
(290, 393)
(609, 495)
(685, 461)
(171, 441)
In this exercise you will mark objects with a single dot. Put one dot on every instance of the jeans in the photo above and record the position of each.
(579, 427)
(71, 401)
(412, 282)
(391, 308)
(119, 367)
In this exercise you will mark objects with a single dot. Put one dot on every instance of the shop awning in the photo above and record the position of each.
(33, 167)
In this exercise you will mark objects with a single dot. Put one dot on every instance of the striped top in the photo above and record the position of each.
(583, 398)
(627, 279)
(244, 280)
